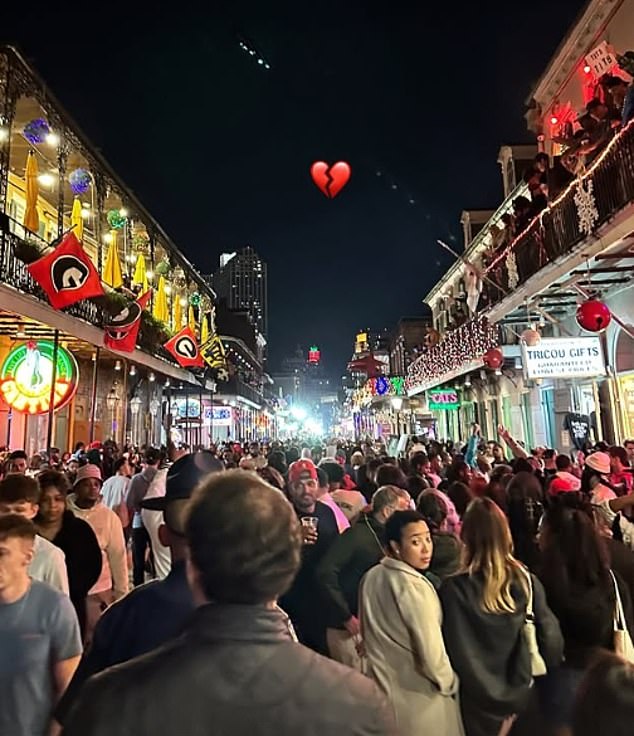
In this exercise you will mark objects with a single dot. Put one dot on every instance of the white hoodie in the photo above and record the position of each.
(109, 532)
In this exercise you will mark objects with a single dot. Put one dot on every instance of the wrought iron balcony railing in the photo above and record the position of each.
(585, 205)
(13, 272)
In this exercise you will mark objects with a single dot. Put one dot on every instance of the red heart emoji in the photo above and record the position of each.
(330, 179)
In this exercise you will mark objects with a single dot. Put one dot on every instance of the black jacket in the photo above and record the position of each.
(141, 621)
(345, 563)
(488, 651)
(79, 544)
(303, 602)
(235, 672)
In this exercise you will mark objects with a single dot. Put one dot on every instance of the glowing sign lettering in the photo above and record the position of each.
(27, 372)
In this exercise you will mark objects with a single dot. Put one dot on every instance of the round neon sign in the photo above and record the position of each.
(27, 372)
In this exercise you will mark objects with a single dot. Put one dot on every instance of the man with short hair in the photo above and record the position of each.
(236, 669)
(17, 462)
(345, 563)
(155, 612)
(621, 475)
(302, 601)
(115, 490)
(20, 494)
(138, 488)
(40, 643)
(323, 495)
(629, 448)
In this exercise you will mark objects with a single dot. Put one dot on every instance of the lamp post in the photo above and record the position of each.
(135, 406)
(155, 405)
(397, 405)
(112, 400)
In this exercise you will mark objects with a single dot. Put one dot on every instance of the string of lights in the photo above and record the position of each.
(573, 185)
(459, 347)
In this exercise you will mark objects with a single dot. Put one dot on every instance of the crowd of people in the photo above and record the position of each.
(479, 589)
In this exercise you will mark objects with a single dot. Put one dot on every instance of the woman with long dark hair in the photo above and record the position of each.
(73, 536)
(485, 609)
(581, 590)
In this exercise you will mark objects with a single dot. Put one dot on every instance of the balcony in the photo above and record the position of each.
(607, 187)
(556, 233)
(241, 390)
(16, 252)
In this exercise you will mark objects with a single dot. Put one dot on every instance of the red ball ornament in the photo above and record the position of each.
(593, 315)
(493, 358)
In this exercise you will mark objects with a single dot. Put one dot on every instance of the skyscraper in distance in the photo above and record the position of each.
(241, 280)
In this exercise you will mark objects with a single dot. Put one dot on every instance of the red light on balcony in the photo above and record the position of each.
(586, 69)
(554, 120)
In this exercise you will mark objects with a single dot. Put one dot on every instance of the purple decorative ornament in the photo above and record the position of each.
(36, 131)
(80, 180)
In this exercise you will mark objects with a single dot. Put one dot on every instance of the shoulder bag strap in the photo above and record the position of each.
(530, 614)
(619, 615)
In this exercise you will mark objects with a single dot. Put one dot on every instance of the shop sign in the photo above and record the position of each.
(182, 408)
(443, 398)
(221, 416)
(564, 357)
(601, 59)
(379, 386)
(27, 374)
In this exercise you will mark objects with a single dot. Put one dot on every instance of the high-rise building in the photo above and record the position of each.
(241, 281)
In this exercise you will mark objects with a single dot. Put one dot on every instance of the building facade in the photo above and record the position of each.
(519, 287)
(242, 281)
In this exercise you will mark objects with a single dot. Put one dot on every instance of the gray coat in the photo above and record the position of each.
(236, 671)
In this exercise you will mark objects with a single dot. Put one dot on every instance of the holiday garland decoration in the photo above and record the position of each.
(458, 348)
(379, 386)
(573, 184)
(36, 131)
(116, 220)
(80, 181)
(586, 204)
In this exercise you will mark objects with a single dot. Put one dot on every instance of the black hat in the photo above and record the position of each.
(183, 476)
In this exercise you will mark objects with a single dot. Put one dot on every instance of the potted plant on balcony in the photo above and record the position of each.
(26, 251)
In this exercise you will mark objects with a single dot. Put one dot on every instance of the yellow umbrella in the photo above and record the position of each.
(204, 330)
(177, 312)
(191, 321)
(161, 312)
(76, 220)
(140, 274)
(112, 267)
(31, 218)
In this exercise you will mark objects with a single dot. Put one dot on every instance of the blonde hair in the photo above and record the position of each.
(488, 551)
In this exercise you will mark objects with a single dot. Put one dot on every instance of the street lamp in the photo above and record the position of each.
(397, 405)
(112, 400)
(135, 406)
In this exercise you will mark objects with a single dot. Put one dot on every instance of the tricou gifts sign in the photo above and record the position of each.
(564, 357)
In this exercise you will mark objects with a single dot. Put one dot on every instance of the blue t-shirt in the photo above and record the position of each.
(36, 631)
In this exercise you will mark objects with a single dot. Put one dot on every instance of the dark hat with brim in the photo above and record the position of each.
(183, 477)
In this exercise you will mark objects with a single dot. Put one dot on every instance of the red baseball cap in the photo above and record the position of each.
(301, 467)
(561, 485)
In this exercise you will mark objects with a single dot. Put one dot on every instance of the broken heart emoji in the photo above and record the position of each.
(330, 179)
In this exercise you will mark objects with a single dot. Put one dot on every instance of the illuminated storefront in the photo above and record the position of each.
(26, 377)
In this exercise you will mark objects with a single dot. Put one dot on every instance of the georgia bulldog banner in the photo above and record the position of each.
(67, 274)
(122, 330)
(184, 347)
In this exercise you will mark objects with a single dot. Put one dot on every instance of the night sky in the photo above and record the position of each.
(416, 97)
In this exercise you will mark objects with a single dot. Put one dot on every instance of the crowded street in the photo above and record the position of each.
(317, 406)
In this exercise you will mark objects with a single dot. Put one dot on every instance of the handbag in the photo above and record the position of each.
(538, 666)
(622, 640)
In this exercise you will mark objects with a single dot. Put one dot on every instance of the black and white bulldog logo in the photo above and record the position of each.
(120, 325)
(186, 348)
(68, 273)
